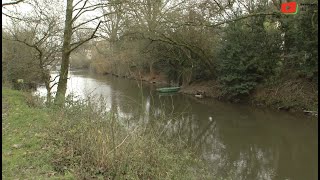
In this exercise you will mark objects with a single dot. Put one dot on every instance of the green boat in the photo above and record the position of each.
(168, 89)
(167, 94)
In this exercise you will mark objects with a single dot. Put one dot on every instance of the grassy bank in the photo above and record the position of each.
(25, 150)
(78, 142)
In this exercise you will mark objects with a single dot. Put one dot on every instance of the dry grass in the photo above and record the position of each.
(82, 141)
(95, 144)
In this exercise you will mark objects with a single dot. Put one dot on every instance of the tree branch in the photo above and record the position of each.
(12, 17)
(12, 3)
(53, 85)
(243, 17)
(91, 20)
(81, 12)
(80, 9)
(86, 40)
(77, 4)
(54, 78)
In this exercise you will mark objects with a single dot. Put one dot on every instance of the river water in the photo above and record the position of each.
(236, 141)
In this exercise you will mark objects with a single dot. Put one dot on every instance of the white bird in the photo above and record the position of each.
(199, 95)
(210, 118)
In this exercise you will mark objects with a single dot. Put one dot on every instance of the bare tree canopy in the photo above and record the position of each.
(190, 37)
(12, 3)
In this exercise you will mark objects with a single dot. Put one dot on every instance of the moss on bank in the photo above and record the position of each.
(78, 142)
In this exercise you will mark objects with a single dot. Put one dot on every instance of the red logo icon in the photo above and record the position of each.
(289, 8)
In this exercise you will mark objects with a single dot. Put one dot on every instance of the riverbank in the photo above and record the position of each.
(78, 142)
(293, 96)
(26, 152)
(296, 95)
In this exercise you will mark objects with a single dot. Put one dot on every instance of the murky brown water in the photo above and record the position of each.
(240, 142)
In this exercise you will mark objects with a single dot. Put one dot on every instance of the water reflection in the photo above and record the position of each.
(239, 142)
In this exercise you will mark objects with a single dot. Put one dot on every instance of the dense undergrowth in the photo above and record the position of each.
(83, 142)
(296, 95)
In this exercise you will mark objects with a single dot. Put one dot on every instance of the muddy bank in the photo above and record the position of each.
(209, 89)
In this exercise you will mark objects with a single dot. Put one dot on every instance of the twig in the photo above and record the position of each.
(12, 3)
(121, 142)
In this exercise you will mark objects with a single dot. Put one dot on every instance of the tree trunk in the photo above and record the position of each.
(46, 78)
(62, 84)
(48, 92)
(186, 76)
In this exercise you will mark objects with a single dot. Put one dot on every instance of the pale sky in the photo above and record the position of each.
(26, 8)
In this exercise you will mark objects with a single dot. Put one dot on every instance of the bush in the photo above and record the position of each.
(301, 44)
(18, 62)
(248, 56)
(95, 144)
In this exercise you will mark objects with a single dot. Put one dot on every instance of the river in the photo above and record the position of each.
(237, 141)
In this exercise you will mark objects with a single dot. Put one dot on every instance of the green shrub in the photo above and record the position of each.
(247, 57)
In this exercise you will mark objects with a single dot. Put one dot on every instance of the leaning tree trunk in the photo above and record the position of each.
(62, 84)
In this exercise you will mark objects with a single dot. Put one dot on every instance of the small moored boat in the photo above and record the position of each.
(168, 89)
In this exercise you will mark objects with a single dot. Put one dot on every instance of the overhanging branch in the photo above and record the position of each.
(86, 40)
(243, 17)
(98, 17)
(12, 3)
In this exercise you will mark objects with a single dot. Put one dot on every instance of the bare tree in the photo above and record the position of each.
(74, 23)
(147, 18)
(12, 3)
(40, 30)
(113, 24)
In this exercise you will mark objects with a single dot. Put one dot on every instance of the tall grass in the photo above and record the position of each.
(93, 143)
